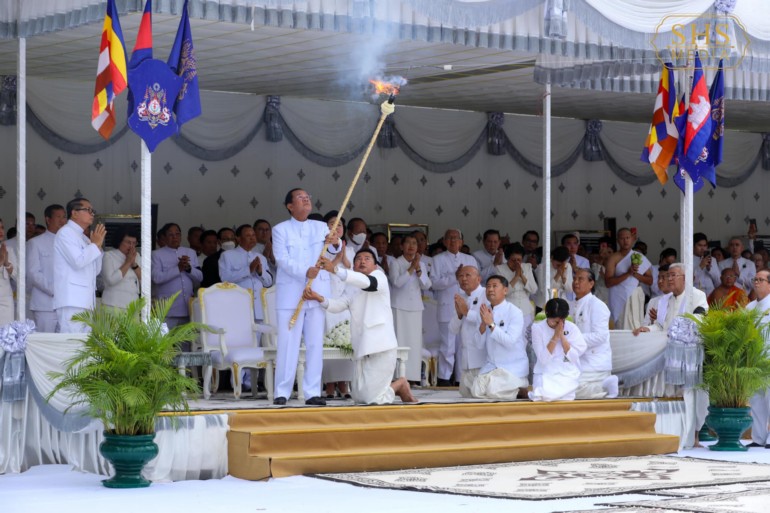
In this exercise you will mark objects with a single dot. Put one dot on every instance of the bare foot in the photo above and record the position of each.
(402, 390)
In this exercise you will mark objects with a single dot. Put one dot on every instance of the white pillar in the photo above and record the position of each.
(21, 179)
(146, 209)
(546, 239)
(686, 233)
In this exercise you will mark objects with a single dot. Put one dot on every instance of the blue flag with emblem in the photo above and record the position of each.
(182, 62)
(155, 88)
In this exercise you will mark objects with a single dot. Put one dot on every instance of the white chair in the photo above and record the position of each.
(228, 311)
(269, 318)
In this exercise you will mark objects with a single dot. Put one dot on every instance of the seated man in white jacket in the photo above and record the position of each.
(501, 333)
(465, 322)
(371, 330)
(593, 318)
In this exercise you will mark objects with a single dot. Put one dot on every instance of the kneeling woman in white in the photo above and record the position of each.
(371, 330)
(501, 333)
(558, 345)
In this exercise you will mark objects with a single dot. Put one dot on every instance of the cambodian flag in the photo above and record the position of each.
(698, 128)
(143, 46)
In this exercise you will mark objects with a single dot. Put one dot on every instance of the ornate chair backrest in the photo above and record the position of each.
(229, 307)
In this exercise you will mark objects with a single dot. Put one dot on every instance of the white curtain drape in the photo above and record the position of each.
(526, 134)
(439, 135)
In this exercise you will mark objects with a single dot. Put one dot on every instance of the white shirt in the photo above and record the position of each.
(592, 317)
(473, 355)
(705, 279)
(406, 289)
(505, 346)
(40, 272)
(671, 306)
(234, 268)
(486, 263)
(119, 289)
(444, 280)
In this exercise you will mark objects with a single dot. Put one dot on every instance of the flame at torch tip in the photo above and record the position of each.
(388, 85)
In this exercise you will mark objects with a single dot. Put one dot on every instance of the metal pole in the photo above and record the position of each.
(21, 180)
(546, 260)
(146, 218)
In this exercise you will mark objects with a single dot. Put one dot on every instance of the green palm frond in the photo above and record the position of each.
(123, 372)
(736, 360)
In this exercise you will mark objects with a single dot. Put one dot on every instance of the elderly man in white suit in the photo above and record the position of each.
(444, 279)
(371, 330)
(760, 402)
(465, 324)
(77, 261)
(297, 245)
(40, 270)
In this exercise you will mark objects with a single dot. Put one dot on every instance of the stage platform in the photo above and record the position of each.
(442, 430)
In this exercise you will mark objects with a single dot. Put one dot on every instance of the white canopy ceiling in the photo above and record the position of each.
(461, 54)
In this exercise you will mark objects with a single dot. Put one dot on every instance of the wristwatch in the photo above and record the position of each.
(135, 266)
(492, 326)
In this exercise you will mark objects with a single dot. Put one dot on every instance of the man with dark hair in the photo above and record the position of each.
(194, 239)
(706, 269)
(210, 266)
(247, 267)
(593, 318)
(77, 260)
(357, 233)
(371, 329)
(264, 231)
(175, 269)
(571, 241)
(490, 256)
(40, 270)
(667, 257)
(561, 278)
(297, 245)
(532, 253)
(501, 333)
(209, 245)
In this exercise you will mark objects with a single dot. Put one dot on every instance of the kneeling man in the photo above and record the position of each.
(501, 333)
(371, 329)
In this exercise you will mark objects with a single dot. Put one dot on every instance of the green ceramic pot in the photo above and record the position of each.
(729, 424)
(128, 455)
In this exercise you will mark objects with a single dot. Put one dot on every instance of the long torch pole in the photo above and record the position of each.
(386, 108)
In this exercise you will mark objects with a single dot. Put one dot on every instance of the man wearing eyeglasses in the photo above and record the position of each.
(674, 303)
(77, 260)
(760, 402)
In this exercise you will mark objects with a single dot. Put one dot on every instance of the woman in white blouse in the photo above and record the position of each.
(408, 279)
(558, 345)
(8, 266)
(521, 281)
(121, 272)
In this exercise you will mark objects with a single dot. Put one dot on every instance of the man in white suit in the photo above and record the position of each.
(465, 324)
(593, 318)
(77, 261)
(175, 269)
(40, 270)
(760, 402)
(445, 268)
(371, 330)
(297, 245)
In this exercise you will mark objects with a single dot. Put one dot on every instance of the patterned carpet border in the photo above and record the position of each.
(563, 479)
(747, 501)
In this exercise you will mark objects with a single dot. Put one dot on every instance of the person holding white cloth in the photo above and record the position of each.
(558, 345)
(501, 334)
(622, 277)
(371, 329)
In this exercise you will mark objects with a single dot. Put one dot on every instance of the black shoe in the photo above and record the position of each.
(755, 444)
(443, 382)
(316, 401)
(280, 401)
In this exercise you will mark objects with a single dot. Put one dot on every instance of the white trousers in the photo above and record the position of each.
(372, 376)
(310, 324)
(760, 411)
(45, 322)
(450, 346)
(66, 325)
(696, 402)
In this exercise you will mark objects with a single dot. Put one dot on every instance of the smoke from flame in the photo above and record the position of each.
(387, 85)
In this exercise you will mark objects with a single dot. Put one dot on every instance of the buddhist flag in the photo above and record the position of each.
(181, 60)
(111, 75)
(662, 139)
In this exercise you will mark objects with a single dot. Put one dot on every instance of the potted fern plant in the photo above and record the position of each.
(124, 375)
(736, 366)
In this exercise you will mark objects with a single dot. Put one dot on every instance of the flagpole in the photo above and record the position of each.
(686, 208)
(21, 179)
(546, 260)
(146, 219)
